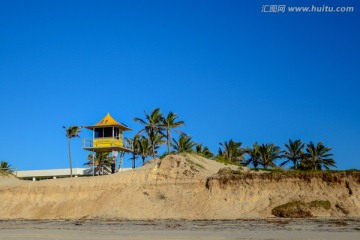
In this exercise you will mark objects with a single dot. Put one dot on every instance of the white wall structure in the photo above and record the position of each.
(55, 173)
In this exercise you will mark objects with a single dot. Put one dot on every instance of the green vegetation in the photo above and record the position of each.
(71, 132)
(5, 168)
(184, 144)
(152, 127)
(226, 174)
(230, 152)
(157, 130)
(303, 157)
(268, 154)
(294, 152)
(169, 123)
(99, 160)
(317, 156)
(204, 151)
(320, 204)
(144, 148)
(254, 155)
(299, 209)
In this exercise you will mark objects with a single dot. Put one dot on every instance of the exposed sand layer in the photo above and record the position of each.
(176, 187)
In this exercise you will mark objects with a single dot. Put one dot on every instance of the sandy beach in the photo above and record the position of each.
(237, 229)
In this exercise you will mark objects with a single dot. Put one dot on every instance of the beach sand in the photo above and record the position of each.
(239, 229)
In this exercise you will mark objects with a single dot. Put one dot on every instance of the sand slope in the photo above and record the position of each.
(176, 187)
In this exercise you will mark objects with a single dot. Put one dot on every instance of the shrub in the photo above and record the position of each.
(320, 204)
(299, 209)
(296, 209)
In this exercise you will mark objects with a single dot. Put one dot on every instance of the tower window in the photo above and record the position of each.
(108, 132)
(99, 133)
(116, 132)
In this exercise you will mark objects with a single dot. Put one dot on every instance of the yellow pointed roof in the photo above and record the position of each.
(109, 121)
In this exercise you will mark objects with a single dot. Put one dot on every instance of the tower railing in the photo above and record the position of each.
(106, 142)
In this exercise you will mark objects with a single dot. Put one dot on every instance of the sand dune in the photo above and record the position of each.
(175, 187)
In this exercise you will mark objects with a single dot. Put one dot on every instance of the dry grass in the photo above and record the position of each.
(226, 174)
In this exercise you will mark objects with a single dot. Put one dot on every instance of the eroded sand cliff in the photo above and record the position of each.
(176, 187)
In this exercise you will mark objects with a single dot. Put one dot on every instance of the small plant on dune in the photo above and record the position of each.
(5, 168)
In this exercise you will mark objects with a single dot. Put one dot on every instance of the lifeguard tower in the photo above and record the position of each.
(108, 137)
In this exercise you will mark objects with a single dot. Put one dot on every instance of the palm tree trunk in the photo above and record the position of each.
(133, 161)
(168, 140)
(70, 157)
(153, 150)
(295, 165)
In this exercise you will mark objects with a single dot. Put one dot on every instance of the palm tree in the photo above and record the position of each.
(158, 141)
(254, 155)
(144, 148)
(294, 152)
(135, 148)
(268, 154)
(232, 151)
(153, 126)
(318, 156)
(71, 132)
(204, 151)
(169, 123)
(5, 167)
(184, 144)
(99, 160)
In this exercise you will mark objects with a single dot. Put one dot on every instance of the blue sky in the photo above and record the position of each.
(227, 69)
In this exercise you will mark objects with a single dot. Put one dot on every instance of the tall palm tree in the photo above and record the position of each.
(144, 148)
(232, 151)
(318, 156)
(294, 152)
(152, 126)
(100, 159)
(5, 167)
(254, 155)
(204, 151)
(268, 154)
(184, 144)
(168, 123)
(71, 132)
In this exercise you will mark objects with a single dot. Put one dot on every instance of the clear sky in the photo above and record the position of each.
(227, 69)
